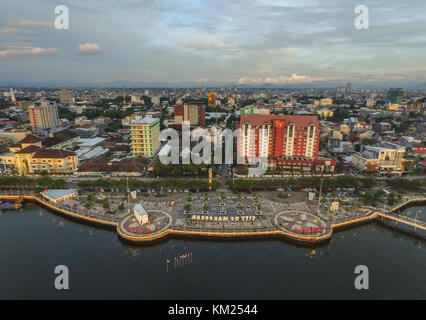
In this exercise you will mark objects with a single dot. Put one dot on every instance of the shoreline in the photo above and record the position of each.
(310, 240)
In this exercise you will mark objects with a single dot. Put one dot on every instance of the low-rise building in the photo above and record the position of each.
(379, 158)
(29, 157)
(325, 113)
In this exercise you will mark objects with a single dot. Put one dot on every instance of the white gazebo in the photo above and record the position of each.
(140, 214)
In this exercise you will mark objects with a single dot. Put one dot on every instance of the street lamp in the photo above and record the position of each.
(415, 219)
(319, 197)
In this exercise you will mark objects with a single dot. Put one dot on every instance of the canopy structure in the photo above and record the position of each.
(58, 195)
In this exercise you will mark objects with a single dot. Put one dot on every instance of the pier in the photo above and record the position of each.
(287, 225)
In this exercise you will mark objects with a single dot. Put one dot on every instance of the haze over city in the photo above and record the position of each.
(213, 43)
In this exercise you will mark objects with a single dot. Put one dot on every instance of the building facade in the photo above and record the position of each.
(65, 96)
(28, 157)
(212, 100)
(145, 136)
(289, 142)
(381, 158)
(395, 95)
(44, 119)
(194, 113)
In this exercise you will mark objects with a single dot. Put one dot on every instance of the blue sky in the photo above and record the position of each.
(212, 42)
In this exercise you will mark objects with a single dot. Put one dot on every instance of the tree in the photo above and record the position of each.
(106, 204)
(65, 113)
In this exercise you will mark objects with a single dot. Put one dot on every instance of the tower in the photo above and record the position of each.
(12, 94)
(212, 100)
(348, 87)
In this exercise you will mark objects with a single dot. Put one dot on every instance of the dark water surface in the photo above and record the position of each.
(34, 241)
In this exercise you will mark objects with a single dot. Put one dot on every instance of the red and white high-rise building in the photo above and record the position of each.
(194, 113)
(287, 141)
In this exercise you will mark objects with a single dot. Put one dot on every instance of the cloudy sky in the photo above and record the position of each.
(195, 42)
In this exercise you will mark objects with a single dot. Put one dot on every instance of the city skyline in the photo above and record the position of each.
(212, 43)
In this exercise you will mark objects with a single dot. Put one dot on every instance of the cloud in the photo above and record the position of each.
(283, 52)
(209, 44)
(89, 49)
(26, 52)
(279, 80)
(14, 26)
(10, 30)
(27, 22)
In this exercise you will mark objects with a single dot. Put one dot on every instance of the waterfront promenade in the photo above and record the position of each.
(298, 222)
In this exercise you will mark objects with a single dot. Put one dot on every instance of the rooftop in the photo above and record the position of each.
(52, 154)
(260, 119)
(28, 150)
(56, 194)
(146, 120)
(30, 139)
(90, 142)
(139, 209)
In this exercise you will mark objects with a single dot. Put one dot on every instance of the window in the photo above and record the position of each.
(290, 130)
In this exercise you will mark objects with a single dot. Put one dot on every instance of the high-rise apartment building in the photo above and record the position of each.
(194, 113)
(44, 119)
(287, 141)
(145, 136)
(279, 135)
(395, 95)
(12, 95)
(65, 96)
(155, 100)
(212, 100)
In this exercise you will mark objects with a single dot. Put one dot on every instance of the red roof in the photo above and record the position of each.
(28, 150)
(29, 139)
(260, 119)
(106, 166)
(52, 154)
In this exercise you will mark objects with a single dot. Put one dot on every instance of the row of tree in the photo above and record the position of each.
(407, 184)
(302, 182)
(188, 170)
(28, 182)
(144, 185)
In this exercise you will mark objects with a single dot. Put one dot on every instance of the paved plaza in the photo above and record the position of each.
(220, 212)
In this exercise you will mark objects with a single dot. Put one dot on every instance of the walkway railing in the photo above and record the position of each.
(90, 215)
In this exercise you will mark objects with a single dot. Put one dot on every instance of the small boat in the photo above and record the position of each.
(8, 205)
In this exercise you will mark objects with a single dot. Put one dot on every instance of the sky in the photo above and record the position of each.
(213, 43)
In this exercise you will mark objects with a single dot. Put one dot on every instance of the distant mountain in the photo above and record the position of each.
(211, 84)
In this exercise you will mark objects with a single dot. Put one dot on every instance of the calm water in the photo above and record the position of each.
(33, 241)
